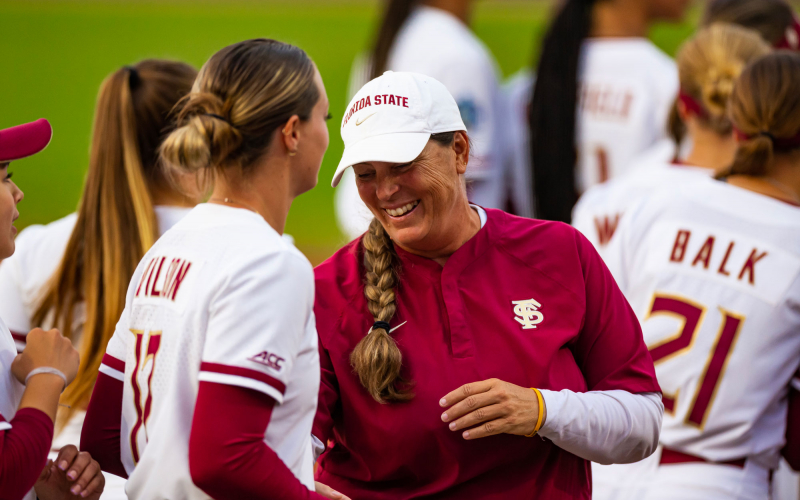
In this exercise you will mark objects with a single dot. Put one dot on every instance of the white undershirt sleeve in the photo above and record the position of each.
(607, 427)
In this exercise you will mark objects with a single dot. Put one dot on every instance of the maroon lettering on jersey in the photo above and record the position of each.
(268, 359)
(722, 269)
(144, 277)
(405, 102)
(377, 99)
(749, 266)
(704, 255)
(179, 276)
(679, 248)
(606, 227)
(153, 291)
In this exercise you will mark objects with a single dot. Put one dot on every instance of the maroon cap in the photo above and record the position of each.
(24, 140)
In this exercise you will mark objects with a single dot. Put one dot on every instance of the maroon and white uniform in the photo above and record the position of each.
(627, 88)
(525, 301)
(713, 272)
(599, 210)
(218, 313)
(25, 435)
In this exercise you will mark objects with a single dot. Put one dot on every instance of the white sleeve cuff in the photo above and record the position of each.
(604, 426)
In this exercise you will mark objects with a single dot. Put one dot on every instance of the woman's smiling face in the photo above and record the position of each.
(413, 201)
(10, 195)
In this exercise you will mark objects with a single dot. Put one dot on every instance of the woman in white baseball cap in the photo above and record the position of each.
(31, 382)
(450, 333)
(433, 37)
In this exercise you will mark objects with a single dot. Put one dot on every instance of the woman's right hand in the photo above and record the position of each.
(329, 492)
(46, 349)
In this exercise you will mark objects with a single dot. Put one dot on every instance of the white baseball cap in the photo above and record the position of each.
(392, 117)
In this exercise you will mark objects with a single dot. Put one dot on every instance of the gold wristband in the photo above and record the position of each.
(541, 413)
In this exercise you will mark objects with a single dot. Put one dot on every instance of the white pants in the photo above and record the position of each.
(647, 480)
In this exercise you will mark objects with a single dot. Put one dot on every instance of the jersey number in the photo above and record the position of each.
(147, 345)
(691, 316)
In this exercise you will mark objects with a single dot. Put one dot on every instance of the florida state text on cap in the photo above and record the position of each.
(24, 140)
(392, 117)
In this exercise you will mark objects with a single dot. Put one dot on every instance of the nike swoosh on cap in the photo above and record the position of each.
(362, 120)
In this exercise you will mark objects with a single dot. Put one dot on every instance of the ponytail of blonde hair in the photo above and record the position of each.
(116, 221)
(708, 64)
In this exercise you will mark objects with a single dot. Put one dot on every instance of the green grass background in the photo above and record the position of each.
(56, 53)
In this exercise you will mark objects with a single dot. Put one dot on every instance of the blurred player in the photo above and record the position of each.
(708, 64)
(602, 96)
(433, 37)
(73, 273)
(713, 271)
(31, 382)
(213, 367)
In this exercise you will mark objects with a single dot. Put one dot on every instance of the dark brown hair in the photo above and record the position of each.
(395, 15)
(242, 95)
(770, 18)
(116, 222)
(377, 359)
(553, 112)
(765, 108)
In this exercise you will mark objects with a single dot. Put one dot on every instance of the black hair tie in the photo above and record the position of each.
(381, 324)
(218, 117)
(133, 77)
(766, 134)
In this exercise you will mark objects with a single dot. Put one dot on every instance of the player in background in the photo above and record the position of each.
(32, 381)
(773, 19)
(213, 370)
(708, 64)
(73, 273)
(433, 37)
(602, 96)
(712, 269)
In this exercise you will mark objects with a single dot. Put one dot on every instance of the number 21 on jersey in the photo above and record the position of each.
(147, 346)
(691, 316)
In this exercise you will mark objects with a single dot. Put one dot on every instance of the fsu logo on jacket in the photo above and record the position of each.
(527, 313)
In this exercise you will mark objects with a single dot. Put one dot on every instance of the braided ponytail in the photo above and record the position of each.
(376, 359)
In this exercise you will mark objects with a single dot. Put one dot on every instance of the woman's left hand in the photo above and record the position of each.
(500, 408)
(74, 474)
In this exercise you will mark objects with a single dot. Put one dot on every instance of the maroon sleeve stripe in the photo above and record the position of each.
(112, 362)
(243, 372)
(19, 337)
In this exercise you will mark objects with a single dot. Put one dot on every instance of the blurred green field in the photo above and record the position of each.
(56, 53)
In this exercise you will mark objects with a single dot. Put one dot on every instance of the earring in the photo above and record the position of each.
(292, 153)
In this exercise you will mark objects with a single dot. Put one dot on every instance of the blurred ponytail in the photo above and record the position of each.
(116, 221)
(554, 110)
(376, 359)
(395, 15)
(765, 110)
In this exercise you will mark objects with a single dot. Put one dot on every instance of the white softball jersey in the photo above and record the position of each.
(220, 297)
(627, 88)
(435, 43)
(599, 210)
(713, 272)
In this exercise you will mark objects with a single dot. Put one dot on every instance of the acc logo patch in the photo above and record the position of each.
(268, 359)
(527, 313)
